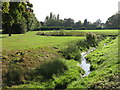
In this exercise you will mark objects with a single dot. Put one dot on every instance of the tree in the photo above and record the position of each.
(58, 17)
(51, 15)
(18, 17)
(52, 20)
(77, 25)
(68, 22)
(7, 17)
(47, 18)
(85, 24)
(113, 21)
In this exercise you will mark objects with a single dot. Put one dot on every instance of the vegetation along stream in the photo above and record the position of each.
(84, 64)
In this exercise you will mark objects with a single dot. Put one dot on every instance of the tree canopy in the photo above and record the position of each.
(113, 21)
(18, 17)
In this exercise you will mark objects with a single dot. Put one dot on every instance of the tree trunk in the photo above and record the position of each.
(9, 32)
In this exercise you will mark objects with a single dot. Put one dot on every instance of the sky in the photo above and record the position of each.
(91, 10)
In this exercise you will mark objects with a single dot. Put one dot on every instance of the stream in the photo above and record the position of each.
(84, 64)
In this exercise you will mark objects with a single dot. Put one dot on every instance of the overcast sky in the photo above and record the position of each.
(76, 9)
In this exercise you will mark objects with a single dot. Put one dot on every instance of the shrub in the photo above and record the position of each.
(72, 74)
(13, 76)
(47, 69)
(82, 45)
(91, 39)
(72, 52)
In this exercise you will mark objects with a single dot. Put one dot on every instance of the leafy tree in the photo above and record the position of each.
(68, 22)
(113, 21)
(7, 21)
(18, 17)
(85, 24)
(51, 15)
(52, 20)
(58, 17)
(46, 19)
(77, 25)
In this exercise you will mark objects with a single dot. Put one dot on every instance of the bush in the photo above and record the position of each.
(13, 76)
(47, 69)
(82, 45)
(61, 33)
(72, 52)
(72, 74)
(91, 39)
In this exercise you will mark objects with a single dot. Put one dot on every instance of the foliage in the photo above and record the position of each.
(113, 21)
(47, 69)
(72, 52)
(104, 63)
(51, 28)
(91, 39)
(19, 65)
(60, 80)
(18, 17)
(69, 24)
(19, 28)
(105, 74)
(52, 20)
(72, 74)
(13, 76)
(61, 33)
(82, 45)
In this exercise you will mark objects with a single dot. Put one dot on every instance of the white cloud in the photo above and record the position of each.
(76, 9)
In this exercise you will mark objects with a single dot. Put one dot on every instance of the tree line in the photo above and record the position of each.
(18, 17)
(53, 22)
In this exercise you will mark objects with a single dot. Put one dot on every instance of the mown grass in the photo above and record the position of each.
(31, 40)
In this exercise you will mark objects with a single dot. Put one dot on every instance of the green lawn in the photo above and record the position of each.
(31, 40)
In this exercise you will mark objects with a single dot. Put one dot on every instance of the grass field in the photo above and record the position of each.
(31, 40)
(22, 57)
(104, 72)
(107, 32)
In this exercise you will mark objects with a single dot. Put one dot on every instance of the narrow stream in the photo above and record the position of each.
(84, 64)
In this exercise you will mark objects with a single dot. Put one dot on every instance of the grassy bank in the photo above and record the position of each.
(104, 71)
(104, 67)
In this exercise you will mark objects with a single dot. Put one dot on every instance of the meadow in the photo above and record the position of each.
(36, 61)
(31, 40)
